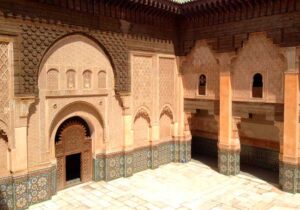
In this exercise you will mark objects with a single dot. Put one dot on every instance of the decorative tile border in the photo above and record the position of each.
(6, 193)
(165, 153)
(142, 159)
(113, 166)
(289, 177)
(229, 162)
(21, 192)
(99, 168)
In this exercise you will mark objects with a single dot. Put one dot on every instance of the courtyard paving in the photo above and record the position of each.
(193, 185)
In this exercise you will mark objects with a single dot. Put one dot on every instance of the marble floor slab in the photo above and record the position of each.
(193, 185)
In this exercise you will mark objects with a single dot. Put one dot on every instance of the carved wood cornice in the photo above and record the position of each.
(227, 23)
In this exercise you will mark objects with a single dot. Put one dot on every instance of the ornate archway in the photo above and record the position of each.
(73, 151)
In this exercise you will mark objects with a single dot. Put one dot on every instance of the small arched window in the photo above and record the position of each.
(257, 86)
(202, 85)
(102, 79)
(87, 79)
(52, 79)
(71, 77)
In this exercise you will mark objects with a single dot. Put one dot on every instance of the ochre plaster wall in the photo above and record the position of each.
(201, 60)
(258, 55)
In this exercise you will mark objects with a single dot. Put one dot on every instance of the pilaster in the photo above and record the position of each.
(128, 135)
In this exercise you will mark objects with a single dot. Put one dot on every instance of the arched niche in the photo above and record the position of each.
(166, 124)
(141, 128)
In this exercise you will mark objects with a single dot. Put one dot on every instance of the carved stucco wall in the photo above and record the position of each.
(154, 82)
(166, 82)
(61, 97)
(201, 60)
(258, 55)
(36, 38)
(5, 84)
(142, 81)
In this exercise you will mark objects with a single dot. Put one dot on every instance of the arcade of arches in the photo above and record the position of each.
(79, 104)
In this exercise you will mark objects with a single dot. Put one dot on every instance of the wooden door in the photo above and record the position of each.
(73, 140)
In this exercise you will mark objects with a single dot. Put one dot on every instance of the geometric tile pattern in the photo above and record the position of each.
(141, 160)
(21, 192)
(118, 165)
(165, 155)
(229, 162)
(154, 157)
(182, 151)
(289, 177)
(115, 166)
(99, 168)
(6, 193)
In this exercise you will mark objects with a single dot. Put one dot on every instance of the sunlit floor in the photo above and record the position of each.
(194, 185)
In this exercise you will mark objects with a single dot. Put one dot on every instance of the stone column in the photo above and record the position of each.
(228, 145)
(289, 160)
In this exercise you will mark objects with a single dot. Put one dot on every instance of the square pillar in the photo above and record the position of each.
(228, 145)
(289, 159)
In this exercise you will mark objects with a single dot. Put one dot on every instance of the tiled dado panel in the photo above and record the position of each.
(166, 153)
(21, 192)
(125, 164)
(264, 158)
(142, 159)
(289, 177)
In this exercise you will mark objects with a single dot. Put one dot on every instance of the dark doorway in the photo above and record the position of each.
(73, 167)
(205, 151)
(260, 163)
